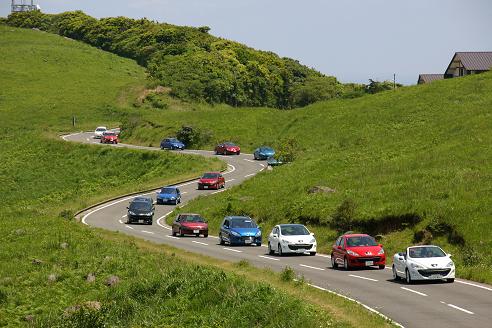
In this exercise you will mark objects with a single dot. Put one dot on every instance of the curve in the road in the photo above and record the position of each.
(462, 304)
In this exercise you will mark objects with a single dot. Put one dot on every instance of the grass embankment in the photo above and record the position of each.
(53, 271)
(414, 166)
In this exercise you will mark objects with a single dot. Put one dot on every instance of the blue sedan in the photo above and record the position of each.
(263, 153)
(172, 143)
(239, 230)
(169, 195)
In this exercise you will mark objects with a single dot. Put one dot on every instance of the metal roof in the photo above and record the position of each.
(430, 77)
(474, 60)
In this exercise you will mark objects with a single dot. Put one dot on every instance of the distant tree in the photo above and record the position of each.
(204, 29)
(376, 86)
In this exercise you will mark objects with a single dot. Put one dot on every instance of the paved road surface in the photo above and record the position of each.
(461, 304)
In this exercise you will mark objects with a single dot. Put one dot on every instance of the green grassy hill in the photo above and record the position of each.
(46, 257)
(413, 166)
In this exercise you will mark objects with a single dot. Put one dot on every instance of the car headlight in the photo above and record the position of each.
(381, 252)
(235, 233)
(416, 266)
(173, 198)
(349, 252)
(285, 241)
(450, 265)
(258, 234)
(131, 213)
(313, 240)
(149, 214)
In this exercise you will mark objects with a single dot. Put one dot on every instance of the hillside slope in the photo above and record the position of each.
(54, 272)
(413, 165)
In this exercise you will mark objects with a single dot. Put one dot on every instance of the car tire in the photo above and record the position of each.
(395, 275)
(312, 253)
(205, 235)
(270, 250)
(346, 265)
(176, 202)
(197, 235)
(280, 252)
(238, 153)
(408, 278)
(381, 267)
(181, 233)
(221, 241)
(173, 233)
(334, 263)
(450, 280)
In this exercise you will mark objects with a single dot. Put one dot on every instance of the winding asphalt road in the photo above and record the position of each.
(461, 304)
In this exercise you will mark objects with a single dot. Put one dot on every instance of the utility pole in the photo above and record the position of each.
(394, 81)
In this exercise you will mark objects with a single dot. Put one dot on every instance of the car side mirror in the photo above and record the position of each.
(380, 245)
(449, 255)
(312, 233)
(274, 236)
(401, 258)
(127, 208)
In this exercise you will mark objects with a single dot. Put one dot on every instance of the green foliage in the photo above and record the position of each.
(287, 274)
(287, 150)
(196, 65)
(193, 137)
(343, 218)
(376, 86)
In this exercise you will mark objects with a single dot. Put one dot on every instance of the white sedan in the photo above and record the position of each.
(427, 262)
(291, 238)
(99, 131)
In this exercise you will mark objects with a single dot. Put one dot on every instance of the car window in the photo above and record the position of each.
(361, 241)
(210, 175)
(168, 191)
(226, 223)
(191, 218)
(339, 241)
(294, 230)
(243, 223)
(422, 252)
(140, 206)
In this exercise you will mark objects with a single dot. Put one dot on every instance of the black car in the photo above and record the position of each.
(141, 210)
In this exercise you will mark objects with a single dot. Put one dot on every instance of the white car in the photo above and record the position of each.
(427, 262)
(291, 238)
(99, 131)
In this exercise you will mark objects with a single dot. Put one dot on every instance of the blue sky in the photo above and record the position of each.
(353, 40)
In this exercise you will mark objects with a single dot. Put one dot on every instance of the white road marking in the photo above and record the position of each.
(357, 302)
(187, 183)
(123, 216)
(360, 277)
(323, 255)
(145, 231)
(87, 139)
(232, 170)
(249, 175)
(230, 180)
(216, 192)
(311, 267)
(268, 258)
(172, 237)
(262, 165)
(129, 227)
(459, 308)
(214, 237)
(413, 291)
(249, 160)
(120, 221)
(184, 192)
(158, 221)
(474, 285)
(232, 250)
(70, 135)
(198, 242)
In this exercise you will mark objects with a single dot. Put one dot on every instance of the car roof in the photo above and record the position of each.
(173, 187)
(212, 173)
(142, 199)
(238, 217)
(423, 246)
(102, 127)
(189, 214)
(356, 235)
(290, 224)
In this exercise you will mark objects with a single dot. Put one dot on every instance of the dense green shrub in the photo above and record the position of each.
(195, 64)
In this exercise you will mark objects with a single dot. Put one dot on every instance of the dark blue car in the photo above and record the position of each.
(172, 143)
(239, 230)
(169, 195)
(264, 152)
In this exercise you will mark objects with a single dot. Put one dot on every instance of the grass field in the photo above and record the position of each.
(46, 257)
(416, 163)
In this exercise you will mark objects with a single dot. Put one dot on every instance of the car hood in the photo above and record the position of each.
(195, 225)
(232, 147)
(299, 239)
(178, 144)
(110, 137)
(431, 262)
(267, 152)
(208, 180)
(166, 195)
(246, 232)
(366, 250)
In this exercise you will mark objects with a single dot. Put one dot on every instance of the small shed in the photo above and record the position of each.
(466, 63)
(428, 78)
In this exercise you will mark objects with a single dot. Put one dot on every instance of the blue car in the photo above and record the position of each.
(264, 152)
(239, 230)
(169, 195)
(172, 143)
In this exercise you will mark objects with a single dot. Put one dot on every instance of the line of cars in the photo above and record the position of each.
(106, 136)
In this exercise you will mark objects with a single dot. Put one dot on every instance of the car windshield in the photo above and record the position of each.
(168, 191)
(422, 252)
(361, 241)
(109, 134)
(266, 149)
(191, 218)
(173, 140)
(294, 230)
(242, 223)
(140, 206)
(101, 129)
(229, 144)
(210, 176)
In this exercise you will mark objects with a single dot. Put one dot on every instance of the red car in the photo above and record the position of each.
(190, 224)
(109, 137)
(211, 180)
(227, 148)
(357, 250)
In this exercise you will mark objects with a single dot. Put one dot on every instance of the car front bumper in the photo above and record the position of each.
(360, 262)
(432, 274)
(165, 200)
(245, 240)
(139, 218)
(208, 185)
(189, 231)
(298, 248)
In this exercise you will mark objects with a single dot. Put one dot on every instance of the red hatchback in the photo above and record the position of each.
(190, 224)
(227, 148)
(357, 250)
(109, 137)
(211, 180)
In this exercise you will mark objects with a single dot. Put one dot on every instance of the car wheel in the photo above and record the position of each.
(334, 264)
(346, 265)
(174, 233)
(238, 153)
(181, 233)
(450, 280)
(176, 202)
(408, 278)
(205, 235)
(270, 250)
(221, 241)
(197, 235)
(381, 267)
(280, 253)
(312, 253)
(395, 275)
